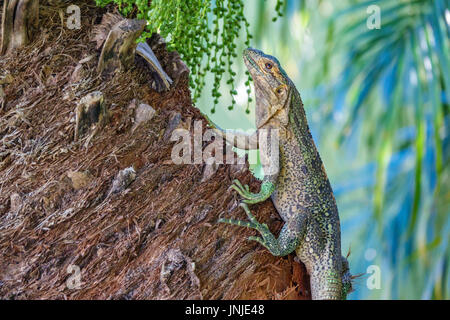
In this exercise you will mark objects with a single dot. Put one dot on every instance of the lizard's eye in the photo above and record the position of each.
(279, 90)
(268, 65)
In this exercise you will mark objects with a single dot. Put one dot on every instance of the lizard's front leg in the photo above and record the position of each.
(270, 159)
(245, 141)
(289, 239)
(236, 138)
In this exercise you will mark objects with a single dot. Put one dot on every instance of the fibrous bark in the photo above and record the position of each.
(20, 21)
(149, 236)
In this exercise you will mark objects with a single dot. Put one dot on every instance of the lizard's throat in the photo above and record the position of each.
(265, 112)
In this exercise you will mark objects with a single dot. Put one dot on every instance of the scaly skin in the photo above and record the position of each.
(300, 189)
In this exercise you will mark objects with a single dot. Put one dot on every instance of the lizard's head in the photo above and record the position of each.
(272, 87)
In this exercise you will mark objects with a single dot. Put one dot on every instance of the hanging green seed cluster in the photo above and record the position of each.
(279, 9)
(204, 46)
(228, 20)
(184, 24)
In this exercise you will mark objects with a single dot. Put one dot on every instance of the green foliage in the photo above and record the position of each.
(404, 66)
(383, 95)
(204, 32)
(410, 47)
(279, 9)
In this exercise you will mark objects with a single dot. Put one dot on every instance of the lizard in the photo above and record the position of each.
(299, 188)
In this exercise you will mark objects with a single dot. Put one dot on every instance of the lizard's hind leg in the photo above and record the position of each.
(253, 224)
(285, 244)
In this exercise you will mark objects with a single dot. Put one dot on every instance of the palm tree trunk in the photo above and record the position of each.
(20, 20)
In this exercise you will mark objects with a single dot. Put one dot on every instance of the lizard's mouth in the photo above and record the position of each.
(249, 61)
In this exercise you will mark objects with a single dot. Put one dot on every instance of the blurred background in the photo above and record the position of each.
(377, 102)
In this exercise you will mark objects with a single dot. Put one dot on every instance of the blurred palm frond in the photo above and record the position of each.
(403, 67)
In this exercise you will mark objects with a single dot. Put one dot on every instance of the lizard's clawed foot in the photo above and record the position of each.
(267, 239)
(266, 190)
(254, 224)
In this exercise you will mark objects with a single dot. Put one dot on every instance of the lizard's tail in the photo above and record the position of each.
(326, 285)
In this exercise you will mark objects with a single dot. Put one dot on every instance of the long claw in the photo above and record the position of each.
(250, 197)
(250, 201)
(257, 239)
(248, 212)
(244, 191)
(244, 206)
(239, 223)
(238, 190)
(238, 183)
